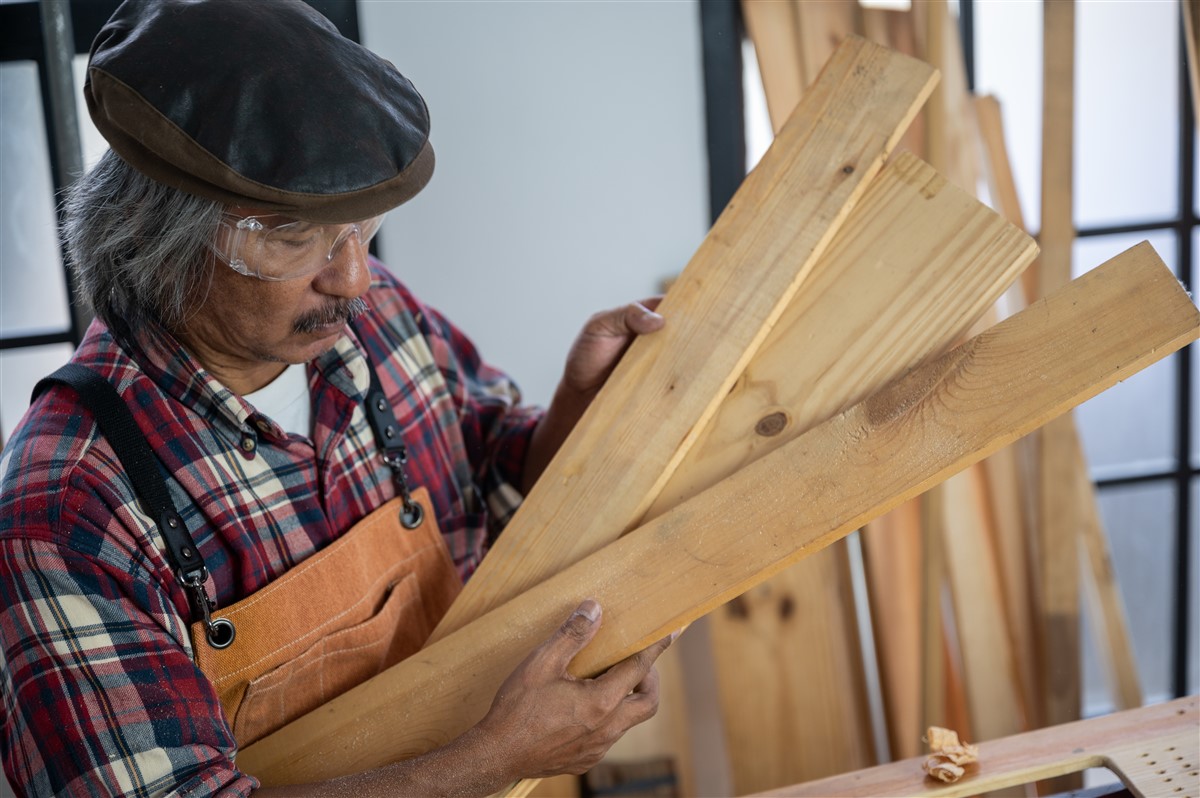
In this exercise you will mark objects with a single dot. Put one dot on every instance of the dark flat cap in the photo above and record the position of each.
(258, 103)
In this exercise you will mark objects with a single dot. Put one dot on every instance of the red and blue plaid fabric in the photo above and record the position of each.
(100, 692)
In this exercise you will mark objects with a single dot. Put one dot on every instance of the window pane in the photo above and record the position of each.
(1140, 522)
(1126, 112)
(20, 369)
(33, 294)
(1130, 427)
(1004, 29)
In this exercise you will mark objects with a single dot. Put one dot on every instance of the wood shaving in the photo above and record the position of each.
(948, 755)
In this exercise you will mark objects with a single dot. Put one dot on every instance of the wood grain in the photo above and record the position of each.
(1154, 751)
(645, 419)
(1057, 531)
(772, 26)
(935, 421)
(918, 261)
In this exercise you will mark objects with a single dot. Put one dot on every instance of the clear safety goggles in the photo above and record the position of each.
(278, 248)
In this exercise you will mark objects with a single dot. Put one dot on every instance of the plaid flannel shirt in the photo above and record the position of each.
(100, 693)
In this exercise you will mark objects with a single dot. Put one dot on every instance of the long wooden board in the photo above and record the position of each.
(935, 421)
(995, 698)
(771, 25)
(628, 443)
(1057, 528)
(916, 264)
(1155, 751)
(1191, 37)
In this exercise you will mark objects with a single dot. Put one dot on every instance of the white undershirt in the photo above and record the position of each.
(285, 400)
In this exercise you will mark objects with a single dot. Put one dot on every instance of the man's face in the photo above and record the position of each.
(246, 328)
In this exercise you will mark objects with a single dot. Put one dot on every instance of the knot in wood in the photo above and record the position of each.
(772, 424)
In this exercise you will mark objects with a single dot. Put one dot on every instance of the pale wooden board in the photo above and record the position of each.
(1057, 523)
(1001, 184)
(1191, 37)
(951, 140)
(790, 676)
(1154, 750)
(822, 26)
(940, 418)
(892, 562)
(916, 262)
(1111, 624)
(992, 681)
(771, 26)
(894, 29)
(919, 261)
(645, 419)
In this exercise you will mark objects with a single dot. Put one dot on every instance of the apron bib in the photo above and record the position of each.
(357, 607)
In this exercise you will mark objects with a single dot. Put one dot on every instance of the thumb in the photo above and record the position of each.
(575, 633)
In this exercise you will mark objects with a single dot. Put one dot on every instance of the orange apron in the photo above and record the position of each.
(365, 602)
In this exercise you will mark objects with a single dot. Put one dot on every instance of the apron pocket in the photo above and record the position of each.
(333, 664)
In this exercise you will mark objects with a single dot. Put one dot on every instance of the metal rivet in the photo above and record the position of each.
(389, 431)
(172, 522)
(186, 552)
(381, 405)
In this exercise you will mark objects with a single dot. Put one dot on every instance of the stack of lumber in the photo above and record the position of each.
(808, 381)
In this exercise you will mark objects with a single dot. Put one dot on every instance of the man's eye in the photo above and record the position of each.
(295, 242)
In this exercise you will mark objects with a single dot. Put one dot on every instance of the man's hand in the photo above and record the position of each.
(549, 722)
(543, 722)
(591, 359)
(603, 340)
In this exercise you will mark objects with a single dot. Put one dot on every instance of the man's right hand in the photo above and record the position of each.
(543, 722)
(550, 722)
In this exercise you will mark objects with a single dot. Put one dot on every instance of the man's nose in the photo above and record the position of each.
(348, 274)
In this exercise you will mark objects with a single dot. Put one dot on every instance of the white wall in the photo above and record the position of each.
(571, 171)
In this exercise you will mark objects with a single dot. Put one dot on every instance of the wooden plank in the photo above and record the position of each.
(1191, 37)
(917, 263)
(993, 686)
(628, 443)
(790, 673)
(1154, 751)
(1001, 185)
(950, 128)
(934, 668)
(892, 561)
(823, 25)
(1109, 622)
(772, 28)
(1057, 530)
(938, 419)
(1112, 626)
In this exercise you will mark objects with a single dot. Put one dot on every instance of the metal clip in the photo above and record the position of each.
(219, 632)
(413, 512)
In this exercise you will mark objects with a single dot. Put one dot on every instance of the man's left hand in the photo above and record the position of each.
(592, 358)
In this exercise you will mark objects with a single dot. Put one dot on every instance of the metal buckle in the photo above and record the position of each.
(220, 632)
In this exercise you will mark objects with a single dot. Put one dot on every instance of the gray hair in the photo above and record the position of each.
(140, 250)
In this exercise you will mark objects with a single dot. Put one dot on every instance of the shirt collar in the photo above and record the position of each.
(178, 374)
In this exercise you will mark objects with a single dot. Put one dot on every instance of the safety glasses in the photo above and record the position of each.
(278, 248)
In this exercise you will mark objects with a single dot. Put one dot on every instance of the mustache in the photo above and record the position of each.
(343, 311)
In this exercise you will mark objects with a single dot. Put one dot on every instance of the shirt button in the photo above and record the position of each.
(263, 426)
(248, 445)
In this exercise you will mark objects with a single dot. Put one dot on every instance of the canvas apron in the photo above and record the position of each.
(365, 602)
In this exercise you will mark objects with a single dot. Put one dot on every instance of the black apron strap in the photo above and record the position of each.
(117, 425)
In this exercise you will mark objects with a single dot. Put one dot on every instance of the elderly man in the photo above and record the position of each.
(300, 462)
